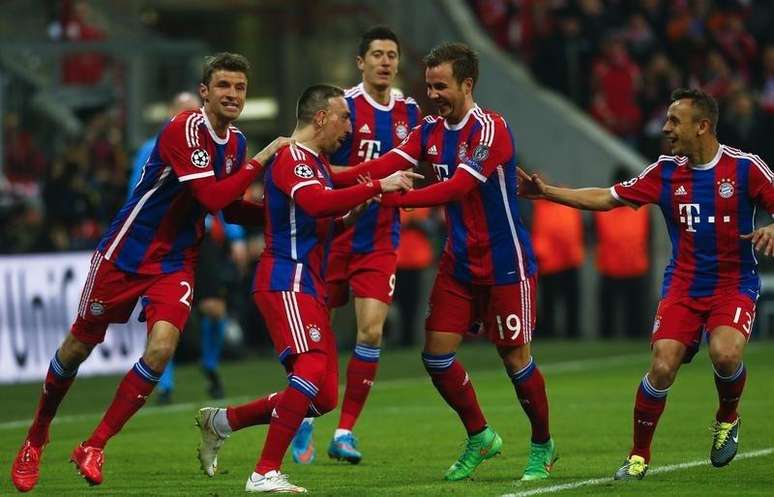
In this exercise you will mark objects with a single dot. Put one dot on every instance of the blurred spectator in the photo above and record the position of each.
(557, 237)
(415, 256)
(623, 261)
(616, 86)
(76, 24)
(23, 162)
(742, 124)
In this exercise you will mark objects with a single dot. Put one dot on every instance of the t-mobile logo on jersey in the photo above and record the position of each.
(369, 149)
(689, 215)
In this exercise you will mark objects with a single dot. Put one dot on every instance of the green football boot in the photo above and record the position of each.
(541, 460)
(478, 449)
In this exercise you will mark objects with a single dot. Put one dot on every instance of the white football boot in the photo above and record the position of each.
(210, 441)
(272, 482)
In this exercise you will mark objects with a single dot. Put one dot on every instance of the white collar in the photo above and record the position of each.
(301, 145)
(710, 164)
(461, 124)
(374, 103)
(215, 137)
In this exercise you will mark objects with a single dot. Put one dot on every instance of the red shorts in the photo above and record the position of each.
(507, 312)
(371, 276)
(109, 296)
(683, 318)
(297, 323)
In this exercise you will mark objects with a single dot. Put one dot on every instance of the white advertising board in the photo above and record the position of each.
(39, 296)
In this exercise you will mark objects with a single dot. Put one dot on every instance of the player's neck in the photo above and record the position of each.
(706, 152)
(459, 116)
(306, 136)
(219, 125)
(380, 95)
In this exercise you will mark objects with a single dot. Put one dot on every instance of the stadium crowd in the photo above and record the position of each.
(619, 60)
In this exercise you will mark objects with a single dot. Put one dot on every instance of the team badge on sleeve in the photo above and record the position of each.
(630, 182)
(304, 171)
(480, 153)
(200, 158)
(314, 333)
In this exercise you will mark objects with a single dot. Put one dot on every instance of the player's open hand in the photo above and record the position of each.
(264, 155)
(399, 181)
(762, 239)
(530, 186)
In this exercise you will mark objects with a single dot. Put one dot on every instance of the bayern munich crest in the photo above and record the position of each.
(401, 130)
(229, 164)
(462, 151)
(304, 171)
(96, 308)
(314, 333)
(656, 324)
(726, 188)
(200, 158)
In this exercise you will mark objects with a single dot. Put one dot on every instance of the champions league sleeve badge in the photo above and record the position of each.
(304, 171)
(200, 158)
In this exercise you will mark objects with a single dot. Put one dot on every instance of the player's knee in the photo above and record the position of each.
(662, 374)
(73, 351)
(326, 400)
(726, 361)
(370, 334)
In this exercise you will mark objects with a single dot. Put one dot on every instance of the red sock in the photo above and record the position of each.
(291, 409)
(453, 383)
(531, 391)
(130, 397)
(729, 392)
(361, 372)
(256, 412)
(648, 406)
(55, 387)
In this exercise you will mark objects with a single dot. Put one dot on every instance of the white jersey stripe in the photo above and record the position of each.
(96, 260)
(302, 184)
(294, 307)
(511, 224)
(137, 208)
(189, 177)
(404, 155)
(297, 277)
(473, 172)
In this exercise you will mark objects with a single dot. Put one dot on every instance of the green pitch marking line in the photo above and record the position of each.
(661, 469)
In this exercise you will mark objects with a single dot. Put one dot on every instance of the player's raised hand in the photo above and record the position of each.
(264, 155)
(762, 239)
(530, 186)
(399, 181)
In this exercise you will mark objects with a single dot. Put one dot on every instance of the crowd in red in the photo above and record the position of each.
(619, 60)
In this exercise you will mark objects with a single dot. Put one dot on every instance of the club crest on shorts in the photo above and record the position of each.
(314, 332)
(96, 308)
(656, 324)
(200, 158)
(303, 171)
(401, 130)
(726, 188)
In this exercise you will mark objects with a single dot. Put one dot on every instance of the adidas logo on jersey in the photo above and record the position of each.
(432, 151)
(365, 129)
(681, 191)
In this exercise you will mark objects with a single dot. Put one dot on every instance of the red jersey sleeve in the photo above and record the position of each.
(761, 188)
(411, 146)
(640, 190)
(182, 147)
(488, 148)
(290, 175)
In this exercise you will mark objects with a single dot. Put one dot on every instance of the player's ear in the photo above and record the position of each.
(360, 62)
(467, 85)
(203, 91)
(321, 118)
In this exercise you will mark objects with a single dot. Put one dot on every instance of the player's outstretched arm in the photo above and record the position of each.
(269, 150)
(437, 194)
(762, 239)
(376, 169)
(594, 199)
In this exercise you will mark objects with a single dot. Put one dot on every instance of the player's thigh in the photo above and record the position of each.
(337, 278)
(169, 298)
(679, 318)
(509, 313)
(451, 306)
(372, 276)
(733, 310)
(296, 322)
(109, 296)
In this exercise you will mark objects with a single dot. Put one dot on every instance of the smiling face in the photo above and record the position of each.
(448, 96)
(682, 128)
(334, 125)
(224, 95)
(379, 65)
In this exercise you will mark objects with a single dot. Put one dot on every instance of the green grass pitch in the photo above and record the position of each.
(409, 437)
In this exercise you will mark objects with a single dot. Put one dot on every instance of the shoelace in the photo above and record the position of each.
(720, 433)
(635, 467)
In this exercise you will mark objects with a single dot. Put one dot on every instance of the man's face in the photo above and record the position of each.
(380, 63)
(225, 94)
(681, 128)
(445, 92)
(335, 125)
